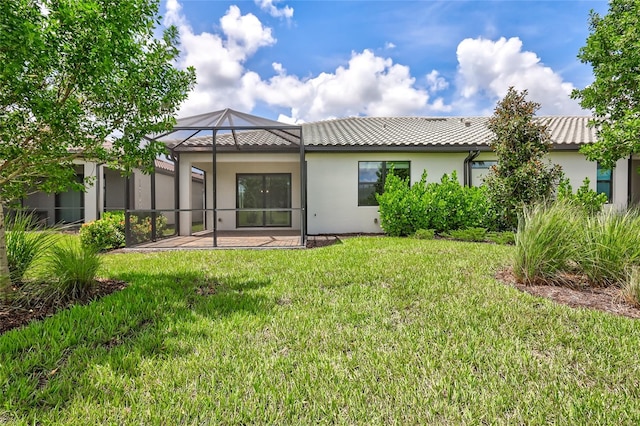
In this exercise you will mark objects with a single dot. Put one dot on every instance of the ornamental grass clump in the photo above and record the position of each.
(25, 244)
(546, 242)
(74, 268)
(609, 245)
(631, 286)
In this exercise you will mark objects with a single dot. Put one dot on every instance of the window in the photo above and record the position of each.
(482, 165)
(604, 184)
(69, 205)
(372, 175)
(260, 193)
(479, 171)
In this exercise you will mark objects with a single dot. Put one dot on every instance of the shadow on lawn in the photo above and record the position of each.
(50, 363)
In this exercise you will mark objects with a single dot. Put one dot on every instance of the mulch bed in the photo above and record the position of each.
(18, 314)
(576, 294)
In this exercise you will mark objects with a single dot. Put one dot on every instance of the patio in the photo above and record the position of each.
(229, 239)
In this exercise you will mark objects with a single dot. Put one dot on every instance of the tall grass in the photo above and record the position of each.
(546, 242)
(554, 240)
(25, 244)
(609, 245)
(74, 267)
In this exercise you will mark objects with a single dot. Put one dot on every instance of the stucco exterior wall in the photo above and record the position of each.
(576, 167)
(332, 187)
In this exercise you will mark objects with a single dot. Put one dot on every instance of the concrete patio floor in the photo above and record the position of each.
(228, 239)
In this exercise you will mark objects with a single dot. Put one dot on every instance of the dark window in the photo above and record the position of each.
(372, 175)
(483, 165)
(259, 193)
(604, 184)
(69, 205)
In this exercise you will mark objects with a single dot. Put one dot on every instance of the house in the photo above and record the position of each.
(110, 192)
(317, 177)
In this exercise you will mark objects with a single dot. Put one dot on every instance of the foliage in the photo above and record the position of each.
(467, 234)
(631, 286)
(25, 244)
(609, 245)
(108, 232)
(74, 267)
(614, 96)
(504, 237)
(585, 197)
(520, 177)
(402, 207)
(440, 206)
(104, 234)
(424, 234)
(74, 73)
(141, 227)
(563, 239)
(546, 242)
(453, 206)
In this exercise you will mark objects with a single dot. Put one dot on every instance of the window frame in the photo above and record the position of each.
(608, 182)
(385, 168)
(264, 212)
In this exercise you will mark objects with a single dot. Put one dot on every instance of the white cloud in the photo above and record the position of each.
(389, 45)
(219, 58)
(270, 7)
(486, 70)
(366, 85)
(436, 82)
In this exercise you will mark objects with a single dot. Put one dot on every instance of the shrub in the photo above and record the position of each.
(104, 234)
(424, 234)
(453, 206)
(468, 234)
(402, 208)
(75, 267)
(439, 206)
(520, 178)
(141, 227)
(25, 244)
(505, 237)
(546, 242)
(108, 232)
(585, 197)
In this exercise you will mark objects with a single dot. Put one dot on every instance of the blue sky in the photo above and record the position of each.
(312, 60)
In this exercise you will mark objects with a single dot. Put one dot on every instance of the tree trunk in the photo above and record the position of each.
(5, 282)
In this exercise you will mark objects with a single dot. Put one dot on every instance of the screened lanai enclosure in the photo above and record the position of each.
(254, 191)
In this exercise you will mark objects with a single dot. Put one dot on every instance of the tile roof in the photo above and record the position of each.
(372, 132)
(169, 168)
(430, 131)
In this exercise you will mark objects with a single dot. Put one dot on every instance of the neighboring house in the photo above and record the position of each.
(109, 193)
(318, 177)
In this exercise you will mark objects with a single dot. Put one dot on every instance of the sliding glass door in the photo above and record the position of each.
(263, 191)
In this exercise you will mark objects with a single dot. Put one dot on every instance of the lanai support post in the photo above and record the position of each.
(154, 231)
(214, 187)
(303, 194)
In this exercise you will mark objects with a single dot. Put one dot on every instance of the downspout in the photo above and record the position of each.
(630, 181)
(467, 166)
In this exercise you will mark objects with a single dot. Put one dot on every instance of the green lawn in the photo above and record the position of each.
(372, 331)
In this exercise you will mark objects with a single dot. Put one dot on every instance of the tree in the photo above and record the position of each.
(613, 50)
(73, 75)
(520, 142)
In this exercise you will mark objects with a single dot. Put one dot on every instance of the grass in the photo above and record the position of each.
(372, 331)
